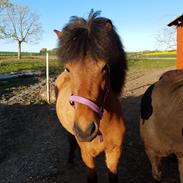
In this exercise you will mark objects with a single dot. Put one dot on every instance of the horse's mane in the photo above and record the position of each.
(91, 38)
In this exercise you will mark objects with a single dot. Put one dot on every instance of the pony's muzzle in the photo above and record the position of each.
(87, 135)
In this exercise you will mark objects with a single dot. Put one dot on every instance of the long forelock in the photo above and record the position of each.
(90, 38)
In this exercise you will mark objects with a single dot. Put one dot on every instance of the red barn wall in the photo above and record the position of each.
(179, 62)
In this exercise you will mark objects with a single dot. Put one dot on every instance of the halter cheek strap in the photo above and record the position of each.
(91, 104)
(87, 102)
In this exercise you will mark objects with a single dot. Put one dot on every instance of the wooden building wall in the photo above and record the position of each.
(179, 62)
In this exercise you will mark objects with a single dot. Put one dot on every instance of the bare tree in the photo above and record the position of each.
(166, 38)
(20, 24)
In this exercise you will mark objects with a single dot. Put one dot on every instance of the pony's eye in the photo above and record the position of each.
(66, 69)
(104, 69)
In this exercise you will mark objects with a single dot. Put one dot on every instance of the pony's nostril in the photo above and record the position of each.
(72, 103)
(88, 134)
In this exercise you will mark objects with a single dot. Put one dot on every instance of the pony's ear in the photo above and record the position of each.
(58, 33)
(109, 25)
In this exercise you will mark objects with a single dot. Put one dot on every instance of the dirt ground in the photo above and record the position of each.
(34, 147)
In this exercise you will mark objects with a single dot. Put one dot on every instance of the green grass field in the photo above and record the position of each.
(35, 63)
(8, 53)
(152, 55)
(149, 65)
(29, 64)
(161, 54)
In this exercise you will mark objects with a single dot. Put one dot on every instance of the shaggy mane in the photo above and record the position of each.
(91, 38)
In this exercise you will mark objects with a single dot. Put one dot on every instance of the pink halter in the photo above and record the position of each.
(87, 102)
(91, 104)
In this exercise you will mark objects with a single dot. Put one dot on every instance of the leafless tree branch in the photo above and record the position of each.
(166, 39)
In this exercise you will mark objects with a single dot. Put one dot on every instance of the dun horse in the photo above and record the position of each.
(87, 91)
(161, 125)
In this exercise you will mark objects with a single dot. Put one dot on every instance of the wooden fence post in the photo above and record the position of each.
(47, 79)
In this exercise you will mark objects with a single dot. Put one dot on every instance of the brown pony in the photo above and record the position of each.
(87, 91)
(161, 125)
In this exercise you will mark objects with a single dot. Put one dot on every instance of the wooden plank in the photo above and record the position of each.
(179, 62)
(47, 78)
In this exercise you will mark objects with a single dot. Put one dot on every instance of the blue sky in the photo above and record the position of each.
(137, 21)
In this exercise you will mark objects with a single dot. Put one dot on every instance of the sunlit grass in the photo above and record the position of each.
(160, 54)
(29, 64)
(55, 67)
(149, 65)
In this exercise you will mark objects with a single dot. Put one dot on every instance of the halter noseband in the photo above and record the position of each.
(98, 109)
(87, 102)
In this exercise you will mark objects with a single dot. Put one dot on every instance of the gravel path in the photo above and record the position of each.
(34, 148)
